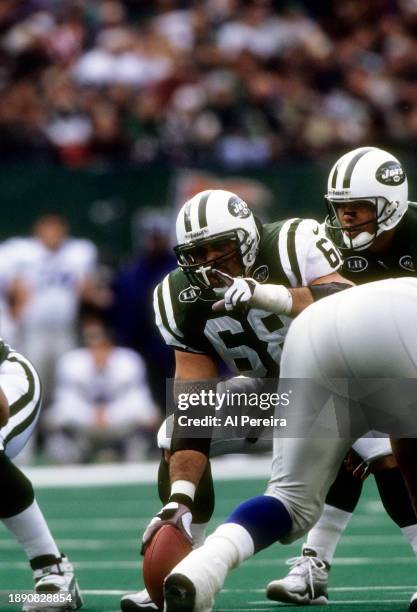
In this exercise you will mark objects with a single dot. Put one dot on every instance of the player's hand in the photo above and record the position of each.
(174, 514)
(238, 292)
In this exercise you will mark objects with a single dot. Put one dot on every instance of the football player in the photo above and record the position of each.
(20, 398)
(267, 275)
(372, 324)
(375, 227)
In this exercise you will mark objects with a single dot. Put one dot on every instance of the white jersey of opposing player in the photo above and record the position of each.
(121, 386)
(53, 278)
(365, 332)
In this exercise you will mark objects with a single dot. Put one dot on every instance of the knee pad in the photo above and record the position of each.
(17, 487)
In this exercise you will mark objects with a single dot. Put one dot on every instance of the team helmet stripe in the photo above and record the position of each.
(351, 165)
(187, 218)
(334, 177)
(292, 251)
(202, 210)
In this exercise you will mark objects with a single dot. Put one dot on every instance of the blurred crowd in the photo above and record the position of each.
(91, 337)
(230, 82)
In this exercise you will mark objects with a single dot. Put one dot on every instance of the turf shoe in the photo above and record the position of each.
(56, 589)
(306, 582)
(138, 601)
(413, 603)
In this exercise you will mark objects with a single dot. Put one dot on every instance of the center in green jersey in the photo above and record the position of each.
(293, 253)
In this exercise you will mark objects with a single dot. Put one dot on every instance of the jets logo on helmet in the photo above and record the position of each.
(238, 208)
(212, 228)
(371, 176)
(390, 173)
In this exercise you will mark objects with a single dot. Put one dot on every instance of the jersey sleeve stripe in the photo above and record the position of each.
(169, 338)
(167, 302)
(162, 310)
(163, 314)
(171, 334)
(283, 254)
(292, 251)
(25, 409)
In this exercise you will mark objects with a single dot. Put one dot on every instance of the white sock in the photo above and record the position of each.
(31, 531)
(208, 566)
(198, 531)
(410, 533)
(233, 542)
(326, 533)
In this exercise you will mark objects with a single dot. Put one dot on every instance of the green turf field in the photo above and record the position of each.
(99, 528)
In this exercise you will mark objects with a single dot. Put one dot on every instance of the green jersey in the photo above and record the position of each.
(293, 253)
(400, 259)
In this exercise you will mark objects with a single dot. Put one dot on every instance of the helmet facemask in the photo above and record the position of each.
(383, 213)
(195, 260)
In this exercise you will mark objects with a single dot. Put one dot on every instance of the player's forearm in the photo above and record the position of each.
(187, 465)
(290, 302)
(301, 298)
(304, 296)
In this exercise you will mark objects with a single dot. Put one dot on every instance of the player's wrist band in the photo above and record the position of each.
(183, 487)
(182, 499)
(274, 298)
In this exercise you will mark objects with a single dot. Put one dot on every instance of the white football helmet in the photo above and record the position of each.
(215, 218)
(369, 175)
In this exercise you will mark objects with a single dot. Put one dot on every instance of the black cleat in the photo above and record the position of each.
(179, 594)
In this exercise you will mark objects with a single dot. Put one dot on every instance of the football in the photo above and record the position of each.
(168, 547)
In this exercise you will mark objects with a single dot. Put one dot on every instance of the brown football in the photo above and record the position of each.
(168, 547)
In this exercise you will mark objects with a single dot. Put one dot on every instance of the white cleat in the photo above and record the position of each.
(56, 589)
(413, 603)
(140, 601)
(306, 582)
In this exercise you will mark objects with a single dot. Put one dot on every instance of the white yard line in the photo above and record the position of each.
(123, 564)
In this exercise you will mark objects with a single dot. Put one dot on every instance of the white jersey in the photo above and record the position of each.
(52, 278)
(366, 332)
(120, 386)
